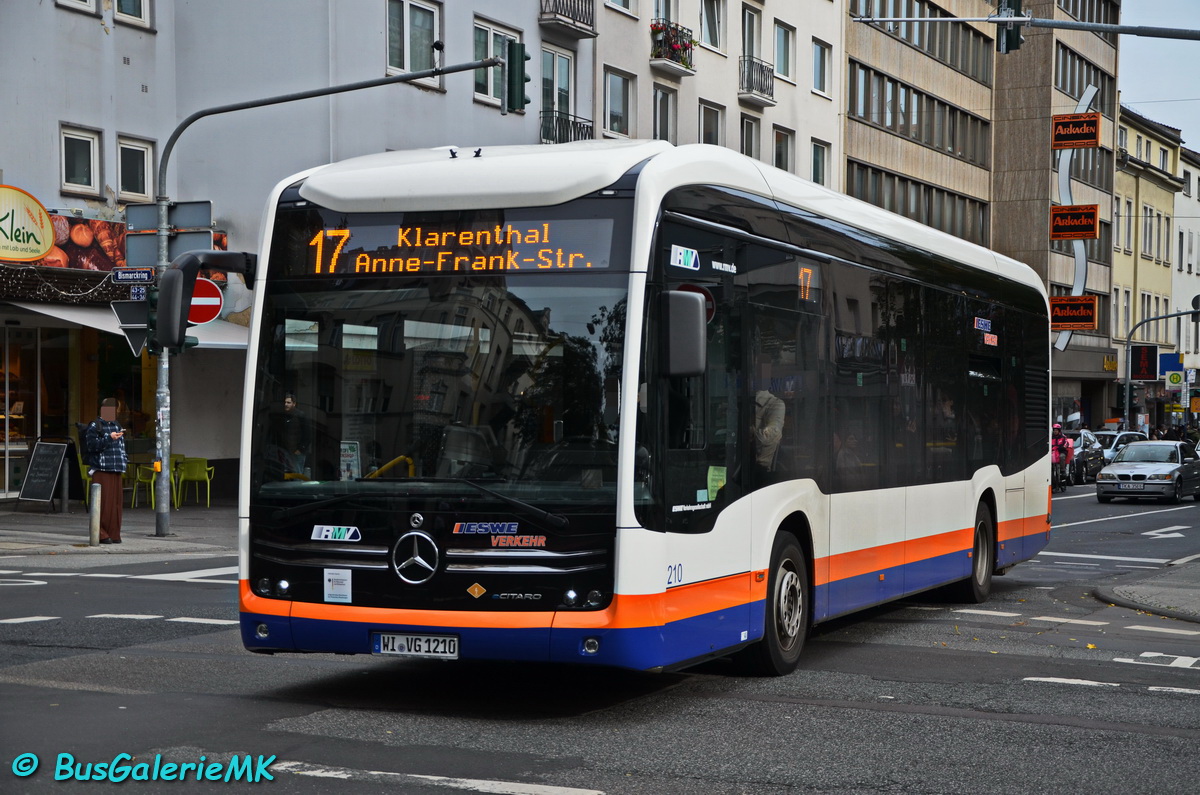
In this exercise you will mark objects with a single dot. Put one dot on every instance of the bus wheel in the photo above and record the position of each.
(976, 588)
(786, 616)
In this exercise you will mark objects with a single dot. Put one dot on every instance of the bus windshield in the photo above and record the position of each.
(389, 380)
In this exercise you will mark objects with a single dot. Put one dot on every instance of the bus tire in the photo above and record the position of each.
(786, 613)
(976, 588)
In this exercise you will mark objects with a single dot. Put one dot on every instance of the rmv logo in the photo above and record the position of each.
(685, 258)
(328, 532)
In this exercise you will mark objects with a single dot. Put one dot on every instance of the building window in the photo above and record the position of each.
(749, 142)
(712, 15)
(133, 12)
(136, 164)
(558, 79)
(1116, 222)
(491, 41)
(625, 4)
(1147, 230)
(664, 114)
(412, 29)
(820, 64)
(785, 149)
(785, 46)
(1128, 226)
(1163, 155)
(711, 125)
(751, 31)
(1123, 137)
(820, 162)
(78, 5)
(80, 161)
(618, 103)
(1187, 182)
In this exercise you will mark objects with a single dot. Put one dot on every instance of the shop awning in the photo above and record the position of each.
(217, 334)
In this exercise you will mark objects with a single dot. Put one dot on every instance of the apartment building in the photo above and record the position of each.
(1144, 246)
(1185, 282)
(760, 76)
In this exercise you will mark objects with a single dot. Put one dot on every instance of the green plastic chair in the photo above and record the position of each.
(196, 471)
(144, 475)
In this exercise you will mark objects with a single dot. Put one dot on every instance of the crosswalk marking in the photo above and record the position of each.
(186, 620)
(1080, 621)
(27, 619)
(195, 575)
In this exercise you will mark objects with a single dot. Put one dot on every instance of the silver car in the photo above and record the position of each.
(1166, 470)
(1112, 441)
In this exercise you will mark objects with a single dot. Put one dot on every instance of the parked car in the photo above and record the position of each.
(1168, 471)
(1112, 441)
(1088, 459)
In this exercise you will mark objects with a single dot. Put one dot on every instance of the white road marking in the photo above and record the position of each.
(1177, 661)
(27, 619)
(1058, 681)
(187, 576)
(52, 574)
(1184, 690)
(1182, 561)
(1104, 557)
(1123, 516)
(110, 576)
(135, 616)
(471, 784)
(1167, 532)
(1167, 630)
(1080, 621)
(186, 620)
(987, 613)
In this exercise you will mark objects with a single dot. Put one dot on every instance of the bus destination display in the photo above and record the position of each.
(560, 245)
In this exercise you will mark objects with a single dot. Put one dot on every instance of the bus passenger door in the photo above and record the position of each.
(707, 520)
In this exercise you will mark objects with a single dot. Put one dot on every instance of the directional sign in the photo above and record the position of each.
(207, 301)
(1167, 532)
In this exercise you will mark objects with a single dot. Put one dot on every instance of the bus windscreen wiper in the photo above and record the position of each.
(299, 510)
(554, 519)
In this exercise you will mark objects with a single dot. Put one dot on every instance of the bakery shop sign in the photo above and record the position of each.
(26, 231)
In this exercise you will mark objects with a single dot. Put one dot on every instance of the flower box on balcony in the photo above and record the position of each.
(671, 67)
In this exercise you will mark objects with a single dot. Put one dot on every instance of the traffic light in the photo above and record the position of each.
(1196, 305)
(1008, 34)
(152, 345)
(516, 76)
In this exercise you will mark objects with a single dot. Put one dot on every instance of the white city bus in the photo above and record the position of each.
(623, 404)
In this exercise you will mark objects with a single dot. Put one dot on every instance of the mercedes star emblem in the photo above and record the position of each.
(415, 558)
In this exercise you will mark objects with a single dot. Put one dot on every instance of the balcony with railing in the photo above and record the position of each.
(671, 48)
(574, 18)
(559, 127)
(756, 84)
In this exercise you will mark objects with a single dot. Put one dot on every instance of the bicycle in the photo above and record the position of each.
(1058, 478)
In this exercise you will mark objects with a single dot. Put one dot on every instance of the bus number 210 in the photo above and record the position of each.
(675, 574)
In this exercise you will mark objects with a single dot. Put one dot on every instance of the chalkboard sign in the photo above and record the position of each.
(41, 476)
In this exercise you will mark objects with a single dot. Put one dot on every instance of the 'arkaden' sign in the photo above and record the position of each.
(1075, 131)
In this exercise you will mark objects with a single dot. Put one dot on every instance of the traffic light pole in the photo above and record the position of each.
(162, 395)
(1129, 361)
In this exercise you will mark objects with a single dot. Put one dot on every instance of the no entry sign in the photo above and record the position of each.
(206, 302)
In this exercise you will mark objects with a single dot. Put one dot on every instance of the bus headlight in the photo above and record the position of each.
(263, 587)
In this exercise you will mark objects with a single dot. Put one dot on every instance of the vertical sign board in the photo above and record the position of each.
(45, 465)
(1143, 362)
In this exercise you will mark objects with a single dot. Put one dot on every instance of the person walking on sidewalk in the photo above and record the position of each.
(106, 441)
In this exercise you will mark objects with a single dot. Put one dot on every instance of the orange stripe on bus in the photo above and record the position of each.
(625, 611)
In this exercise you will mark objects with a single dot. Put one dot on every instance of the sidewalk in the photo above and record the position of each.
(1174, 593)
(28, 528)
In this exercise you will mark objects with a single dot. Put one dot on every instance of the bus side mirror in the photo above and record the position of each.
(686, 340)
